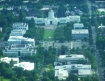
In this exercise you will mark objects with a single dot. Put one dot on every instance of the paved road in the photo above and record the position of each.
(89, 7)
(42, 70)
(99, 70)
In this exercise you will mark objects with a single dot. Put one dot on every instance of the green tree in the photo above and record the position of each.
(61, 11)
(72, 77)
(14, 78)
(11, 63)
(31, 23)
(1, 52)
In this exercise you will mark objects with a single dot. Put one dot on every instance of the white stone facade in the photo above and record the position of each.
(52, 20)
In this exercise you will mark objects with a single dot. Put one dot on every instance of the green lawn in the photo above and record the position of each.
(6, 79)
(48, 34)
(3, 79)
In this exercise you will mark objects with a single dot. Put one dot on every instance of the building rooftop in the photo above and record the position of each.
(78, 25)
(84, 72)
(20, 25)
(78, 44)
(101, 26)
(44, 8)
(73, 66)
(7, 59)
(80, 31)
(80, 69)
(19, 38)
(17, 32)
(61, 73)
(25, 65)
(101, 9)
(71, 56)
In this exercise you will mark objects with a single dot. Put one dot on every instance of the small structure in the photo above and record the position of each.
(7, 60)
(78, 25)
(25, 65)
(80, 34)
(101, 26)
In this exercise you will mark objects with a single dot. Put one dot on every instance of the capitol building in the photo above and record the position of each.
(52, 20)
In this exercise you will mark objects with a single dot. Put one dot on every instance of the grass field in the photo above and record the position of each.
(6, 80)
(48, 34)
(3, 79)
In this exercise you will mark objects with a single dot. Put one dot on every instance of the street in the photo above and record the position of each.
(97, 55)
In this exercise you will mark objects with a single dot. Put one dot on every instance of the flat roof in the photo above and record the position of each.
(74, 16)
(78, 44)
(45, 8)
(84, 72)
(25, 65)
(75, 66)
(80, 31)
(71, 56)
(7, 59)
(61, 73)
(19, 38)
(101, 9)
(78, 25)
(19, 24)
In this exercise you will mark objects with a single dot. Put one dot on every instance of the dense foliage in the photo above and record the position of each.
(63, 33)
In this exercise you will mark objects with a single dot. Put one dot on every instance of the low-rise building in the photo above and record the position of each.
(86, 72)
(101, 26)
(20, 40)
(8, 59)
(17, 32)
(74, 18)
(73, 58)
(79, 34)
(62, 74)
(78, 25)
(78, 44)
(72, 44)
(19, 50)
(25, 65)
(59, 45)
(21, 26)
(78, 69)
